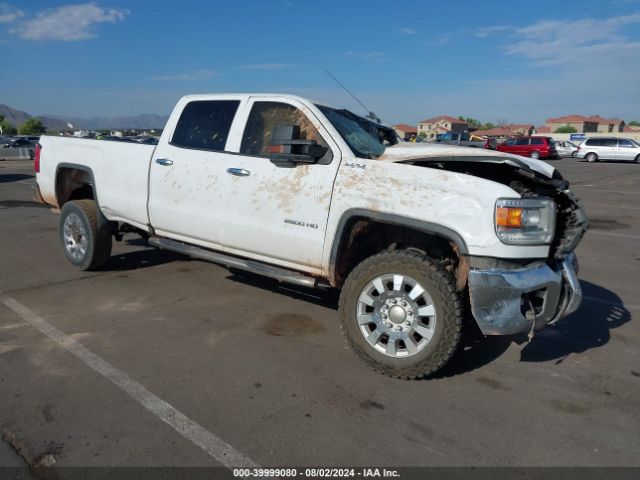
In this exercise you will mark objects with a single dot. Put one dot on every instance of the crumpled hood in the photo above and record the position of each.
(413, 151)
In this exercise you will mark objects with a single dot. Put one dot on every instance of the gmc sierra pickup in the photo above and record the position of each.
(419, 238)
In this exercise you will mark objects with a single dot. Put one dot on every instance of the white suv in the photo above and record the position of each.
(609, 148)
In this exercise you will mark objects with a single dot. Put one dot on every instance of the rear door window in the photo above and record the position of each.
(537, 141)
(205, 125)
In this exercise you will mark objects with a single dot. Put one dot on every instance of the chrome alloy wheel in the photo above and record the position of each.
(75, 236)
(396, 315)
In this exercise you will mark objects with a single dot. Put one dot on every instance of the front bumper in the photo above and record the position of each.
(502, 299)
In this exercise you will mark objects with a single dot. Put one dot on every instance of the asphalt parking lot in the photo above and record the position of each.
(262, 371)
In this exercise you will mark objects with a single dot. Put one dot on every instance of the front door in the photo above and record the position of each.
(278, 212)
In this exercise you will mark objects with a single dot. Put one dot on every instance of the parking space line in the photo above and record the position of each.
(611, 234)
(613, 304)
(607, 205)
(195, 433)
(620, 192)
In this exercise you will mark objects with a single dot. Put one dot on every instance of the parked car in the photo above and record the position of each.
(609, 148)
(566, 148)
(316, 196)
(534, 147)
(16, 142)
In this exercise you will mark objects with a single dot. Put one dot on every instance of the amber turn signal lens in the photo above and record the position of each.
(509, 217)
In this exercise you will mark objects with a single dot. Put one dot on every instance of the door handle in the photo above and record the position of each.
(165, 162)
(239, 172)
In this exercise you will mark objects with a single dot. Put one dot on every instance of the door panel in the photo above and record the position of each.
(188, 179)
(278, 212)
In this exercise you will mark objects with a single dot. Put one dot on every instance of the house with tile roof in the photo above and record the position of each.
(584, 124)
(404, 131)
(442, 124)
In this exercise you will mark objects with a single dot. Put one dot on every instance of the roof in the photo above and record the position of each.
(544, 129)
(582, 118)
(494, 132)
(403, 127)
(631, 128)
(569, 119)
(444, 117)
(504, 131)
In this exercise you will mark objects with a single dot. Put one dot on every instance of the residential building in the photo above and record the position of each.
(511, 130)
(583, 124)
(406, 132)
(444, 123)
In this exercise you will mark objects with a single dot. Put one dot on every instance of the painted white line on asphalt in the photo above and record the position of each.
(608, 206)
(623, 192)
(196, 434)
(613, 304)
(611, 234)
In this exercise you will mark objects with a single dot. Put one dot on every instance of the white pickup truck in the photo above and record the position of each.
(419, 238)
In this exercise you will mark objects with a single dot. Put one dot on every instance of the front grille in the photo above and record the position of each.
(571, 224)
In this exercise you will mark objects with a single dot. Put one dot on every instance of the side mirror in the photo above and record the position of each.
(287, 149)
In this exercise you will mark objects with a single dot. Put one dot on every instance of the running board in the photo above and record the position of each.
(280, 274)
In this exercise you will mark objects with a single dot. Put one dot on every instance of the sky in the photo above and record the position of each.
(514, 61)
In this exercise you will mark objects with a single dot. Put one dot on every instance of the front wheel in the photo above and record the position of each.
(401, 314)
(85, 234)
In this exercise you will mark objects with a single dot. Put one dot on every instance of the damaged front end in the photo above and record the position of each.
(516, 296)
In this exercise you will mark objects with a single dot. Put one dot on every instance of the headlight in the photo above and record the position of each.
(525, 221)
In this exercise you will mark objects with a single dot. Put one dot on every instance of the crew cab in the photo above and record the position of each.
(418, 238)
(534, 147)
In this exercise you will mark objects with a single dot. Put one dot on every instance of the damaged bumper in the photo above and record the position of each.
(509, 301)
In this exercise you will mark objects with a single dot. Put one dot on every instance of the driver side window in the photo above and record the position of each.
(264, 117)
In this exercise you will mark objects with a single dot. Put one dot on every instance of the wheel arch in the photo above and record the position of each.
(74, 182)
(389, 228)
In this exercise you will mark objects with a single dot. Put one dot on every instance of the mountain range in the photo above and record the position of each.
(59, 122)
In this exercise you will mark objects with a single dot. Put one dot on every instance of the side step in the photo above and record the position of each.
(280, 274)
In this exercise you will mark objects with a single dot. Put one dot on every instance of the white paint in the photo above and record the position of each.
(196, 434)
(602, 205)
(613, 304)
(611, 234)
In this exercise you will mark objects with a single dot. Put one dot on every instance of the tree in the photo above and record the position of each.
(634, 123)
(33, 126)
(565, 129)
(6, 128)
(488, 126)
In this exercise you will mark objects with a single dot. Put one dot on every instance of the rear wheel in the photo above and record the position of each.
(591, 157)
(85, 234)
(535, 155)
(401, 314)
(637, 159)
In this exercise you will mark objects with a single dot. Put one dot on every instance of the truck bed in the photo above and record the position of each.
(119, 173)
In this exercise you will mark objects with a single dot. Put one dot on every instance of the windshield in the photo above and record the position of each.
(366, 139)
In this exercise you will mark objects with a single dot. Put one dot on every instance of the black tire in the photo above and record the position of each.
(535, 155)
(448, 307)
(591, 157)
(97, 233)
(637, 159)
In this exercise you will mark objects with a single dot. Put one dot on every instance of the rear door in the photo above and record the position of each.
(610, 150)
(188, 174)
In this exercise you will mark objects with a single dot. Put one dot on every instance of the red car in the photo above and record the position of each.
(534, 147)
